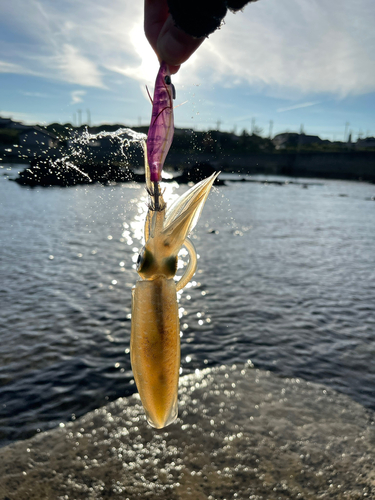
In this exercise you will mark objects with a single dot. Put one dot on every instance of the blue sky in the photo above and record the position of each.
(294, 62)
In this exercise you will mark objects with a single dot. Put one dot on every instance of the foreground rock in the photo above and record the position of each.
(54, 173)
(242, 433)
(48, 172)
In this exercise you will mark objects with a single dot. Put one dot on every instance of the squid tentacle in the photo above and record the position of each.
(191, 267)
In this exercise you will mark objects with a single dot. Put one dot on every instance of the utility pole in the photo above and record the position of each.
(346, 131)
(88, 117)
(74, 119)
(252, 126)
(139, 121)
(301, 130)
(271, 127)
(349, 141)
(218, 145)
(79, 111)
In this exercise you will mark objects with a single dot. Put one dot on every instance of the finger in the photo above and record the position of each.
(173, 68)
(155, 15)
(174, 46)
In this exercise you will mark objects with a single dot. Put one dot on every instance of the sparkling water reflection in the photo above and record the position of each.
(242, 433)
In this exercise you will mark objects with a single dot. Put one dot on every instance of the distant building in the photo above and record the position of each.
(5, 122)
(183, 131)
(36, 137)
(367, 143)
(292, 139)
(9, 123)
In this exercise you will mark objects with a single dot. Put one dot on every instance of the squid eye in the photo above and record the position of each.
(145, 261)
(170, 264)
(167, 79)
(140, 258)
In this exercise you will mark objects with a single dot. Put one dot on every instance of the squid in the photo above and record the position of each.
(155, 328)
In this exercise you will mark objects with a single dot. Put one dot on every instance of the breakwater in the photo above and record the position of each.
(346, 165)
(353, 165)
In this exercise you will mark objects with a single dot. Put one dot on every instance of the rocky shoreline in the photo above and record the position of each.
(48, 173)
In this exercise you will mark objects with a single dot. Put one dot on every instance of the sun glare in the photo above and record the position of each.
(149, 64)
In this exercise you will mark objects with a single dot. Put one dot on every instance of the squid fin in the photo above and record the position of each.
(186, 210)
(183, 214)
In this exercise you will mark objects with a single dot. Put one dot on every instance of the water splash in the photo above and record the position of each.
(84, 157)
(125, 137)
(121, 140)
(108, 148)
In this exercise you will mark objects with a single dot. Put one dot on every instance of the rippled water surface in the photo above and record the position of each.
(286, 278)
(242, 434)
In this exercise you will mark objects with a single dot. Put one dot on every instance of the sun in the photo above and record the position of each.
(149, 63)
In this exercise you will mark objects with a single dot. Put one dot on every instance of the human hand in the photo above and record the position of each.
(170, 43)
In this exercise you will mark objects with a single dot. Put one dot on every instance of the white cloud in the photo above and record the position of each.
(7, 67)
(298, 106)
(309, 46)
(51, 43)
(76, 68)
(43, 95)
(77, 96)
(289, 48)
(26, 118)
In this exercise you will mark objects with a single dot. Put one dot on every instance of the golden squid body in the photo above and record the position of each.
(155, 326)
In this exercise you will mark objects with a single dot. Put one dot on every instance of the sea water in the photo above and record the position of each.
(285, 283)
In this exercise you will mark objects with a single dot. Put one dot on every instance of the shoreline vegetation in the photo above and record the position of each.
(65, 155)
